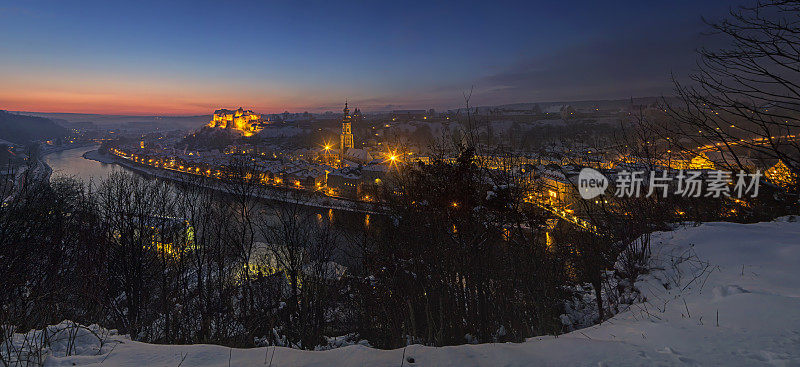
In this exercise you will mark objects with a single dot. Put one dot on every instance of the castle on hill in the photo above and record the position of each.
(244, 121)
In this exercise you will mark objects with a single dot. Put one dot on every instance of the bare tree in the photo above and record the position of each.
(136, 212)
(300, 246)
(744, 101)
(243, 191)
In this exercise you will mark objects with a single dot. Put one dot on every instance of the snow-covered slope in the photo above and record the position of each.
(746, 278)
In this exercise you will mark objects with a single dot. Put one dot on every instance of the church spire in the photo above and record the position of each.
(347, 133)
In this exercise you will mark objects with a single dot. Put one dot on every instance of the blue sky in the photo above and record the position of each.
(185, 57)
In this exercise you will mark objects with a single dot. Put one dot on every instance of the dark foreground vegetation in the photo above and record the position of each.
(458, 256)
(187, 264)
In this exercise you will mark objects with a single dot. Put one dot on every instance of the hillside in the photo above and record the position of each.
(127, 121)
(20, 129)
(726, 294)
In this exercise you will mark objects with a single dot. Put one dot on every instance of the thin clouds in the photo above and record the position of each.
(633, 65)
(609, 68)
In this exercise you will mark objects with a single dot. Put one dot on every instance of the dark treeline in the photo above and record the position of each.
(166, 264)
(458, 256)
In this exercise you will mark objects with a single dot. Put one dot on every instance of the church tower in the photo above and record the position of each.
(347, 134)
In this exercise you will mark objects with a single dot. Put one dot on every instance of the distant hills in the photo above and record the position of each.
(82, 120)
(599, 103)
(20, 129)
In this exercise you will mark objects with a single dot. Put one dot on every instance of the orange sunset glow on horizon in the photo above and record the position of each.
(51, 91)
(119, 101)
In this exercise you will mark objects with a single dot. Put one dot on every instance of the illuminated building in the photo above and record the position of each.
(701, 161)
(357, 182)
(781, 175)
(347, 133)
(246, 122)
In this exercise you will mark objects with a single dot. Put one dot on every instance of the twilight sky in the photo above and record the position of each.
(190, 57)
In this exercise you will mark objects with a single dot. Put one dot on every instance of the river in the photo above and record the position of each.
(70, 163)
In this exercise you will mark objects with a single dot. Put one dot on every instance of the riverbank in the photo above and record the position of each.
(57, 149)
(286, 195)
(40, 171)
(95, 155)
(53, 150)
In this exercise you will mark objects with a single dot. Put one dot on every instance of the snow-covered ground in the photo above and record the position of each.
(727, 295)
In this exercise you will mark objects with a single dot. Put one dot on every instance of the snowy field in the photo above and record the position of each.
(725, 295)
